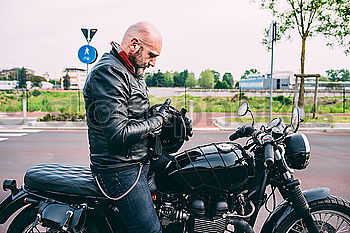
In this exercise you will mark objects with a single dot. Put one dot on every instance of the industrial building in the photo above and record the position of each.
(281, 80)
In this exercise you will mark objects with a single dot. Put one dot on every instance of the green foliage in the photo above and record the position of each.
(22, 78)
(63, 117)
(330, 18)
(228, 78)
(206, 79)
(168, 79)
(36, 93)
(338, 75)
(222, 85)
(248, 72)
(216, 75)
(36, 80)
(191, 80)
(66, 82)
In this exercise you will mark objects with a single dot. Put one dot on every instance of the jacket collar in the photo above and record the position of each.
(123, 57)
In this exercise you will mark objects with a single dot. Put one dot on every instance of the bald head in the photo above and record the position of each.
(142, 43)
(144, 31)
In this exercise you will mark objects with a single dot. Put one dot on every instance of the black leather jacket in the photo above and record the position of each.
(116, 107)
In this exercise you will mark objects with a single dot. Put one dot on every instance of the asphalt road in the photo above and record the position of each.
(329, 165)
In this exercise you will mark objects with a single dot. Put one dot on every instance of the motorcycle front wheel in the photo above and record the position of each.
(332, 215)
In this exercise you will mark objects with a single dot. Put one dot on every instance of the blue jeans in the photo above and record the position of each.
(136, 208)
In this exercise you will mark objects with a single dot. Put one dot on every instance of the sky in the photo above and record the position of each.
(224, 35)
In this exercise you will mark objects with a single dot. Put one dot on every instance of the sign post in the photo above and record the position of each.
(87, 54)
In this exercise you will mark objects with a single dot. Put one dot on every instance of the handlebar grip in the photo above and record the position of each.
(234, 136)
(167, 102)
(269, 155)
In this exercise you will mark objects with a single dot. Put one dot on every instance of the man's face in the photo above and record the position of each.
(145, 55)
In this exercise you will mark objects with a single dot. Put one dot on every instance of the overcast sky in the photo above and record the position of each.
(225, 35)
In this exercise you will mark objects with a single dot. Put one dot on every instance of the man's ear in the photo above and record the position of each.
(134, 45)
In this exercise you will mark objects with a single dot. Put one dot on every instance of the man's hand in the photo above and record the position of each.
(188, 125)
(164, 112)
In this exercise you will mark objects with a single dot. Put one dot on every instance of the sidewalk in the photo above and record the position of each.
(201, 121)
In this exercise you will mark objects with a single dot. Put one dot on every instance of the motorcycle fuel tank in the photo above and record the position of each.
(212, 168)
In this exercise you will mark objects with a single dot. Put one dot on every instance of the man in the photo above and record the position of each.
(118, 127)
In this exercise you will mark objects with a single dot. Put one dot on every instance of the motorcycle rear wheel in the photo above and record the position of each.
(332, 215)
(24, 220)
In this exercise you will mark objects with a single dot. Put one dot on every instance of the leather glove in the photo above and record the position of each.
(188, 125)
(164, 112)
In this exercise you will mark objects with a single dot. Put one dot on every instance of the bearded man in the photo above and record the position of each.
(119, 129)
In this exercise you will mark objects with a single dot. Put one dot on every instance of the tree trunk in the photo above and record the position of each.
(302, 71)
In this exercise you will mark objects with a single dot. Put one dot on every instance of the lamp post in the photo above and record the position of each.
(272, 40)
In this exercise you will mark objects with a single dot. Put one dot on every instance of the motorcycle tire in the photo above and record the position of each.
(331, 214)
(22, 223)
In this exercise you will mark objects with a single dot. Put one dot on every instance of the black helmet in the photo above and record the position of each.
(173, 133)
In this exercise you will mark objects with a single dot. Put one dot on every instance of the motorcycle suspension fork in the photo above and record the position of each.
(293, 193)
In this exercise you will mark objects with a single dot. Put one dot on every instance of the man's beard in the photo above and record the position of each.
(136, 59)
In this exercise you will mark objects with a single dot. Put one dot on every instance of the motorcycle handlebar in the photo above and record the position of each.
(244, 131)
(269, 154)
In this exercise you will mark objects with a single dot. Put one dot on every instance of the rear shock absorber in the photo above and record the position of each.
(296, 197)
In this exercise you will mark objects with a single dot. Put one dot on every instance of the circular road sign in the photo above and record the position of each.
(87, 54)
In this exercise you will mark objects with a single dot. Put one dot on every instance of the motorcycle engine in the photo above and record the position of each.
(207, 216)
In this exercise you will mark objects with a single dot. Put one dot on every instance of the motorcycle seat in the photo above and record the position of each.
(62, 178)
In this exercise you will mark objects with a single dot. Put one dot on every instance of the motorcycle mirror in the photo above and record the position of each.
(243, 109)
(273, 123)
(295, 119)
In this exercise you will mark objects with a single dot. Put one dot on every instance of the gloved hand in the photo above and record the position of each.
(164, 111)
(188, 125)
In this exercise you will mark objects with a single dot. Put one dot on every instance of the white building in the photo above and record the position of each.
(281, 80)
(77, 78)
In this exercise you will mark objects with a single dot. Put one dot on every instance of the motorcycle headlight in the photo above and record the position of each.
(297, 151)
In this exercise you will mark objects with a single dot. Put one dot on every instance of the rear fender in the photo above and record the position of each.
(11, 204)
(285, 208)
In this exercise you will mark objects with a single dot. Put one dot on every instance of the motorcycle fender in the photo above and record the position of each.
(285, 208)
(11, 204)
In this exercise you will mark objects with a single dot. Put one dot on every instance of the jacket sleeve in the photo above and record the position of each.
(110, 92)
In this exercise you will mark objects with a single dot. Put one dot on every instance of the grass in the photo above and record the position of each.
(67, 102)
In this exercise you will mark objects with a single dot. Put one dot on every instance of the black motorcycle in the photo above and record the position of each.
(219, 187)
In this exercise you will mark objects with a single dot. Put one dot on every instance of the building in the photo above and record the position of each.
(281, 80)
(6, 73)
(77, 78)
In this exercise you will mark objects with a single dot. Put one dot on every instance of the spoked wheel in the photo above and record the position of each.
(331, 215)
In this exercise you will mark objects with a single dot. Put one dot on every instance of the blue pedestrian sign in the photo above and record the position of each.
(87, 54)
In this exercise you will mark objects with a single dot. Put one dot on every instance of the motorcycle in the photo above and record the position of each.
(218, 187)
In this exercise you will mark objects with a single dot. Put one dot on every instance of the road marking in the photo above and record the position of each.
(19, 130)
(12, 134)
(3, 139)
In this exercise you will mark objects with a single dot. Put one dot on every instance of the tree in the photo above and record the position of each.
(216, 76)
(329, 18)
(191, 81)
(248, 72)
(206, 79)
(222, 85)
(228, 78)
(168, 79)
(22, 78)
(36, 80)
(66, 82)
(342, 75)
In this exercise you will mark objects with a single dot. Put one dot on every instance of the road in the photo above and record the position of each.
(22, 149)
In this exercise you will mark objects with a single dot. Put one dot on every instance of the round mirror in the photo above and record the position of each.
(295, 119)
(243, 109)
(274, 123)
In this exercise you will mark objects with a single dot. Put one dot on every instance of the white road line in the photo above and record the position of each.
(19, 130)
(3, 139)
(12, 134)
